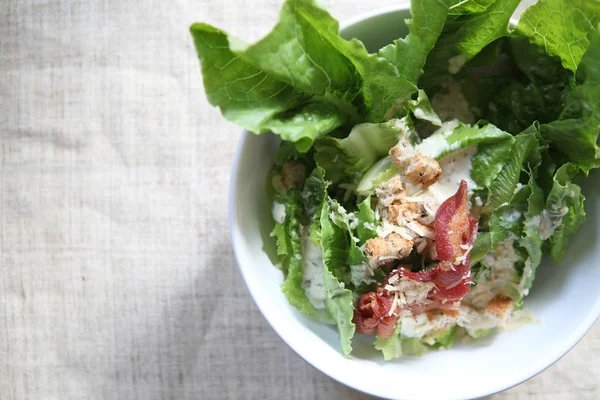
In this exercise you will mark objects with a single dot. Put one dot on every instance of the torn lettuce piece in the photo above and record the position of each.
(355, 154)
(423, 110)
(482, 246)
(564, 211)
(367, 221)
(575, 133)
(288, 233)
(391, 347)
(357, 261)
(256, 100)
(341, 307)
(561, 27)
(461, 7)
(455, 136)
(489, 161)
(507, 219)
(424, 28)
(338, 299)
(380, 172)
(335, 243)
(445, 339)
(531, 240)
(314, 193)
(413, 346)
(524, 151)
(462, 38)
(306, 51)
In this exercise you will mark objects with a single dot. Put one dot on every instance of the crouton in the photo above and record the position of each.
(392, 247)
(292, 173)
(418, 168)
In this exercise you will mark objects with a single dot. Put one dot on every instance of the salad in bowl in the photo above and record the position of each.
(418, 186)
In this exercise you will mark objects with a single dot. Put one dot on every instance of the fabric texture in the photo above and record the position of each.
(117, 277)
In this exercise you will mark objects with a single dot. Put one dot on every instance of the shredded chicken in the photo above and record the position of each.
(392, 247)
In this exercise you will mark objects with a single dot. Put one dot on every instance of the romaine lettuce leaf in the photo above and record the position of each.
(441, 144)
(575, 133)
(461, 7)
(355, 154)
(424, 27)
(531, 240)
(334, 246)
(445, 339)
(391, 347)
(489, 161)
(304, 51)
(482, 246)
(256, 100)
(339, 303)
(462, 38)
(380, 172)
(367, 221)
(525, 151)
(561, 27)
(413, 346)
(289, 249)
(564, 211)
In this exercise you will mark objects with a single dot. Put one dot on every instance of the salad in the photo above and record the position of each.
(416, 189)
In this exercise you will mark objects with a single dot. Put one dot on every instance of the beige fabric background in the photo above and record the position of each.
(117, 279)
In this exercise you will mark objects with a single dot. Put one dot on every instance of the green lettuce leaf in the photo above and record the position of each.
(305, 51)
(564, 211)
(575, 133)
(442, 143)
(334, 244)
(338, 299)
(461, 7)
(413, 346)
(489, 161)
(525, 150)
(380, 172)
(289, 249)
(425, 26)
(341, 307)
(256, 100)
(561, 27)
(482, 246)
(367, 222)
(531, 240)
(391, 347)
(446, 338)
(355, 154)
(462, 39)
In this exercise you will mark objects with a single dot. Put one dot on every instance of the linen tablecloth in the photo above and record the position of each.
(117, 278)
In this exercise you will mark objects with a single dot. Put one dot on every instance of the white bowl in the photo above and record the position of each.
(565, 297)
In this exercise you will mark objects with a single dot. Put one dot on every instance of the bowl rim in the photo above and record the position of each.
(236, 237)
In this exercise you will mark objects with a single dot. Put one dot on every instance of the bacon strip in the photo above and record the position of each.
(455, 233)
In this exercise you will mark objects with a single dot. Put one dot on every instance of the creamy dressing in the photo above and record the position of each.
(278, 212)
(549, 224)
(362, 273)
(455, 168)
(499, 275)
(313, 273)
(452, 104)
(456, 63)
(436, 144)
